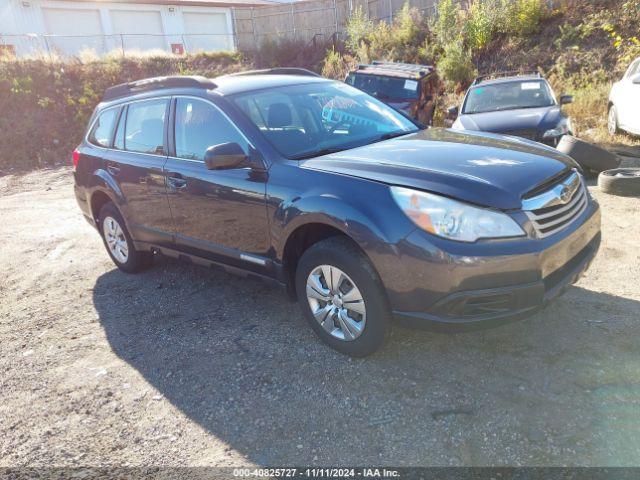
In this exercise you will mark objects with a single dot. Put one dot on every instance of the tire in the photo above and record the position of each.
(365, 333)
(588, 156)
(621, 181)
(112, 225)
(612, 121)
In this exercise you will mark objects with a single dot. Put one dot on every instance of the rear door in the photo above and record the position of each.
(136, 162)
(218, 214)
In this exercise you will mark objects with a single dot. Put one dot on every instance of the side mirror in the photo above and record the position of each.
(452, 112)
(566, 99)
(636, 80)
(224, 156)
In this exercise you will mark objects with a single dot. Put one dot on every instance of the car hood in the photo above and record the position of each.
(481, 168)
(544, 118)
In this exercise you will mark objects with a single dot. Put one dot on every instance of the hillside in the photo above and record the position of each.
(582, 46)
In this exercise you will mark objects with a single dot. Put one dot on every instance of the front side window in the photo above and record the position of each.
(200, 125)
(508, 96)
(391, 88)
(144, 127)
(103, 128)
(303, 121)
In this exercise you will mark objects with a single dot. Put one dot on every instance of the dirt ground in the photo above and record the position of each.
(185, 366)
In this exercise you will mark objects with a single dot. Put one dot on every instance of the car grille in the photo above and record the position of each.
(555, 209)
(530, 134)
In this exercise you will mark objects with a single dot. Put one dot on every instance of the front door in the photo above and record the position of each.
(136, 162)
(629, 108)
(218, 214)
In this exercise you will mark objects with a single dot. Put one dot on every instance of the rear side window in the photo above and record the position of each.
(200, 125)
(144, 127)
(102, 130)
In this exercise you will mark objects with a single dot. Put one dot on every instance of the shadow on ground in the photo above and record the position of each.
(236, 357)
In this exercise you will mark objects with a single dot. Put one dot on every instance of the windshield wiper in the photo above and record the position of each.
(316, 153)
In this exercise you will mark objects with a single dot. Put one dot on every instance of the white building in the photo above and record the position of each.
(70, 26)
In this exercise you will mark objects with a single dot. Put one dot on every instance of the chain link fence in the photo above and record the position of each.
(313, 19)
(133, 44)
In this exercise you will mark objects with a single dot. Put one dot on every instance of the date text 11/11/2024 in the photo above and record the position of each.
(317, 472)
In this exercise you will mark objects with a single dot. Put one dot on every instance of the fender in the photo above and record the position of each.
(327, 210)
(378, 243)
(102, 178)
(103, 181)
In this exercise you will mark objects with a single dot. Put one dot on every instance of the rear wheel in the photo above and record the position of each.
(342, 297)
(118, 242)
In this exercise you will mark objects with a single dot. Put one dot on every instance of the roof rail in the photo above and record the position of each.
(156, 83)
(421, 70)
(277, 71)
(509, 73)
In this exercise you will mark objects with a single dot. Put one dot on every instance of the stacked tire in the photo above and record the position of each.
(593, 159)
(590, 157)
(620, 181)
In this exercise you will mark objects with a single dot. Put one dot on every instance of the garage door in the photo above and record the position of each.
(66, 21)
(206, 32)
(140, 30)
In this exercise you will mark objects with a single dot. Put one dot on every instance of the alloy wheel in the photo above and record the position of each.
(336, 302)
(116, 240)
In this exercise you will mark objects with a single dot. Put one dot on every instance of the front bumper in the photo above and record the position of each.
(489, 284)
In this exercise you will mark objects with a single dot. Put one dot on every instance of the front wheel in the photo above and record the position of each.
(118, 242)
(342, 297)
(612, 122)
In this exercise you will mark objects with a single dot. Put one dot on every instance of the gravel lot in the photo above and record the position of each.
(185, 366)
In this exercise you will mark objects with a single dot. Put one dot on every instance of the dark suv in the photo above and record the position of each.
(409, 88)
(364, 220)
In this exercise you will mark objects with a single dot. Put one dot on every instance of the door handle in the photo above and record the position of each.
(113, 168)
(176, 180)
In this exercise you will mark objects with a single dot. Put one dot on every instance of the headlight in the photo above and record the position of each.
(562, 129)
(452, 219)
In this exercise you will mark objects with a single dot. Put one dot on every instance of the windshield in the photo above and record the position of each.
(304, 121)
(392, 88)
(508, 96)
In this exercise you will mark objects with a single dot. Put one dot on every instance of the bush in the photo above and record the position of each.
(479, 26)
(358, 29)
(522, 17)
(447, 25)
(456, 66)
(335, 65)
(589, 110)
(46, 105)
(402, 40)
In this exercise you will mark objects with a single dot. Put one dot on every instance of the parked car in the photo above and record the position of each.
(624, 102)
(522, 105)
(363, 221)
(410, 88)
